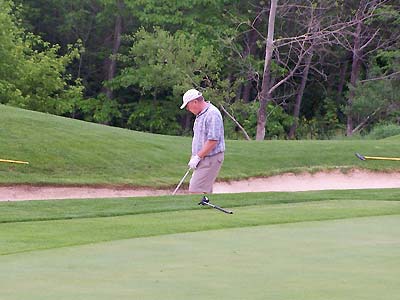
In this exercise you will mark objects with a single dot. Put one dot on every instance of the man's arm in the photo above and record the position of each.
(207, 148)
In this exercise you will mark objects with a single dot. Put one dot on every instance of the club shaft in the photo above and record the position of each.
(14, 161)
(382, 158)
(217, 207)
(180, 182)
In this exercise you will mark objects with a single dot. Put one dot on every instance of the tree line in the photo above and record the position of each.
(276, 69)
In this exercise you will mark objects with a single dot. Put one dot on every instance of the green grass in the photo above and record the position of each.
(24, 211)
(304, 246)
(34, 225)
(70, 152)
(336, 260)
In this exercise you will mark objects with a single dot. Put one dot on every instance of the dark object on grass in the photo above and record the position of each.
(206, 201)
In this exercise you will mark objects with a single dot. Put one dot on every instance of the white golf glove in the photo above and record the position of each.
(194, 161)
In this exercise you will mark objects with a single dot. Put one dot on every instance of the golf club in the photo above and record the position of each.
(14, 161)
(205, 201)
(180, 182)
(362, 157)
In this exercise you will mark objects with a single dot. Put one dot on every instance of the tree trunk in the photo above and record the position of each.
(355, 73)
(251, 49)
(342, 80)
(111, 61)
(355, 70)
(265, 95)
(300, 93)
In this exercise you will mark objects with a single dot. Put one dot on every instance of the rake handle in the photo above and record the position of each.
(14, 161)
(362, 157)
(382, 158)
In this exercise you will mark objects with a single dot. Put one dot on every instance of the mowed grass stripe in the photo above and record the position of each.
(92, 208)
(345, 259)
(29, 236)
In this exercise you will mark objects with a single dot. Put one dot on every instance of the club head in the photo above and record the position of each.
(204, 200)
(360, 156)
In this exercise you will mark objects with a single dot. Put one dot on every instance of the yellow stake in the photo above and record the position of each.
(381, 158)
(14, 161)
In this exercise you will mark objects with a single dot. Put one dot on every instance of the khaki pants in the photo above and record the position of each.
(205, 174)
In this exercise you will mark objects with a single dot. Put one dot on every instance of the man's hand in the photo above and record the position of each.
(194, 161)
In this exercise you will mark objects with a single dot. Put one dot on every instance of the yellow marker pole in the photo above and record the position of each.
(382, 158)
(362, 157)
(14, 161)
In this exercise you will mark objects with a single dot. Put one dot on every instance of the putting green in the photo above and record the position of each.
(339, 259)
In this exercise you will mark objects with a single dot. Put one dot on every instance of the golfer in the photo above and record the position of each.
(208, 144)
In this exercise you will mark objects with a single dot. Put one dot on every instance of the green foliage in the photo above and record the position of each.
(378, 97)
(246, 115)
(158, 117)
(100, 109)
(372, 96)
(217, 46)
(159, 62)
(204, 18)
(278, 122)
(384, 130)
(162, 66)
(327, 122)
(32, 74)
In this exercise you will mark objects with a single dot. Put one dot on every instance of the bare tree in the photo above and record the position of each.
(318, 28)
(364, 41)
(265, 94)
(250, 50)
(313, 27)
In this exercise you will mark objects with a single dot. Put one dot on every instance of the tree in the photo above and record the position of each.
(365, 41)
(162, 66)
(111, 61)
(33, 75)
(265, 94)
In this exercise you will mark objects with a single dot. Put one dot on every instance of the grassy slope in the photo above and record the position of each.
(77, 222)
(65, 151)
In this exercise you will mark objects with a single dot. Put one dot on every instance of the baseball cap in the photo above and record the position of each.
(189, 96)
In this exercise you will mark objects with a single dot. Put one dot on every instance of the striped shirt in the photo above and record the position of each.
(208, 126)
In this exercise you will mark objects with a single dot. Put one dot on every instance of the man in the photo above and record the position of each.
(208, 144)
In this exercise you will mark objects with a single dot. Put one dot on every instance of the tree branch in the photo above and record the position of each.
(236, 122)
(380, 78)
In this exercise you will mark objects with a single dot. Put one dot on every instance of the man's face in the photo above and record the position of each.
(193, 106)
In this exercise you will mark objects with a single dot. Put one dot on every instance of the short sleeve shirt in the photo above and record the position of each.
(208, 126)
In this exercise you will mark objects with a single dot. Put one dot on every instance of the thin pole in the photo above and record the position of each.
(14, 161)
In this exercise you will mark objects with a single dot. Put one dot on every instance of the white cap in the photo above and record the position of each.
(189, 96)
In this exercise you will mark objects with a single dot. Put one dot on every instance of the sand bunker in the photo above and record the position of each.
(333, 180)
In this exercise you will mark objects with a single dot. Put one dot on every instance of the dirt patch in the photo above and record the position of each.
(334, 180)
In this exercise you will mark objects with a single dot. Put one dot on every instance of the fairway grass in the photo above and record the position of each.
(22, 236)
(337, 260)
(306, 246)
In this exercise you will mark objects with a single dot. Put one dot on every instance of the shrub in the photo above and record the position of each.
(382, 131)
